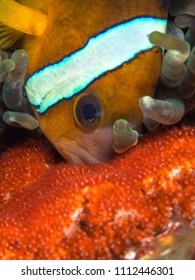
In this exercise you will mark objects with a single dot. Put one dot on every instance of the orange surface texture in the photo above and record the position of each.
(52, 210)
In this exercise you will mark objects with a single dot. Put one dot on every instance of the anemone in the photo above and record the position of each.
(174, 96)
(13, 91)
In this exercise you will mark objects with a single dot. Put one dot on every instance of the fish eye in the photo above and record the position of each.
(87, 111)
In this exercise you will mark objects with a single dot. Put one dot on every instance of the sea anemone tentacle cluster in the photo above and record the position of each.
(15, 108)
(175, 93)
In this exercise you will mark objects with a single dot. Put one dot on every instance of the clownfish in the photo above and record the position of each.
(89, 64)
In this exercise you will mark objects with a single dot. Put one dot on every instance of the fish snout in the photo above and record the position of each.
(92, 149)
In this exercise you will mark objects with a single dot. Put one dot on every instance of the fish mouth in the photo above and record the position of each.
(74, 153)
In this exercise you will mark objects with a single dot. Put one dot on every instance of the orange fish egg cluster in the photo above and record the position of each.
(52, 210)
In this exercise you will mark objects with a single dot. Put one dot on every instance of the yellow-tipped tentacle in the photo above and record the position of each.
(172, 69)
(169, 42)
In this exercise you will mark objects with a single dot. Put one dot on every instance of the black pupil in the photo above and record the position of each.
(89, 112)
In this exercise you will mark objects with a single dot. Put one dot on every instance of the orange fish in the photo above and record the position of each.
(89, 64)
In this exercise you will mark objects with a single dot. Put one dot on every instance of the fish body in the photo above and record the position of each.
(90, 63)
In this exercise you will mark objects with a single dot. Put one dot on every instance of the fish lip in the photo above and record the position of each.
(73, 153)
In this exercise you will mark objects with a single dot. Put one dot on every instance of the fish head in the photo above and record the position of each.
(81, 127)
